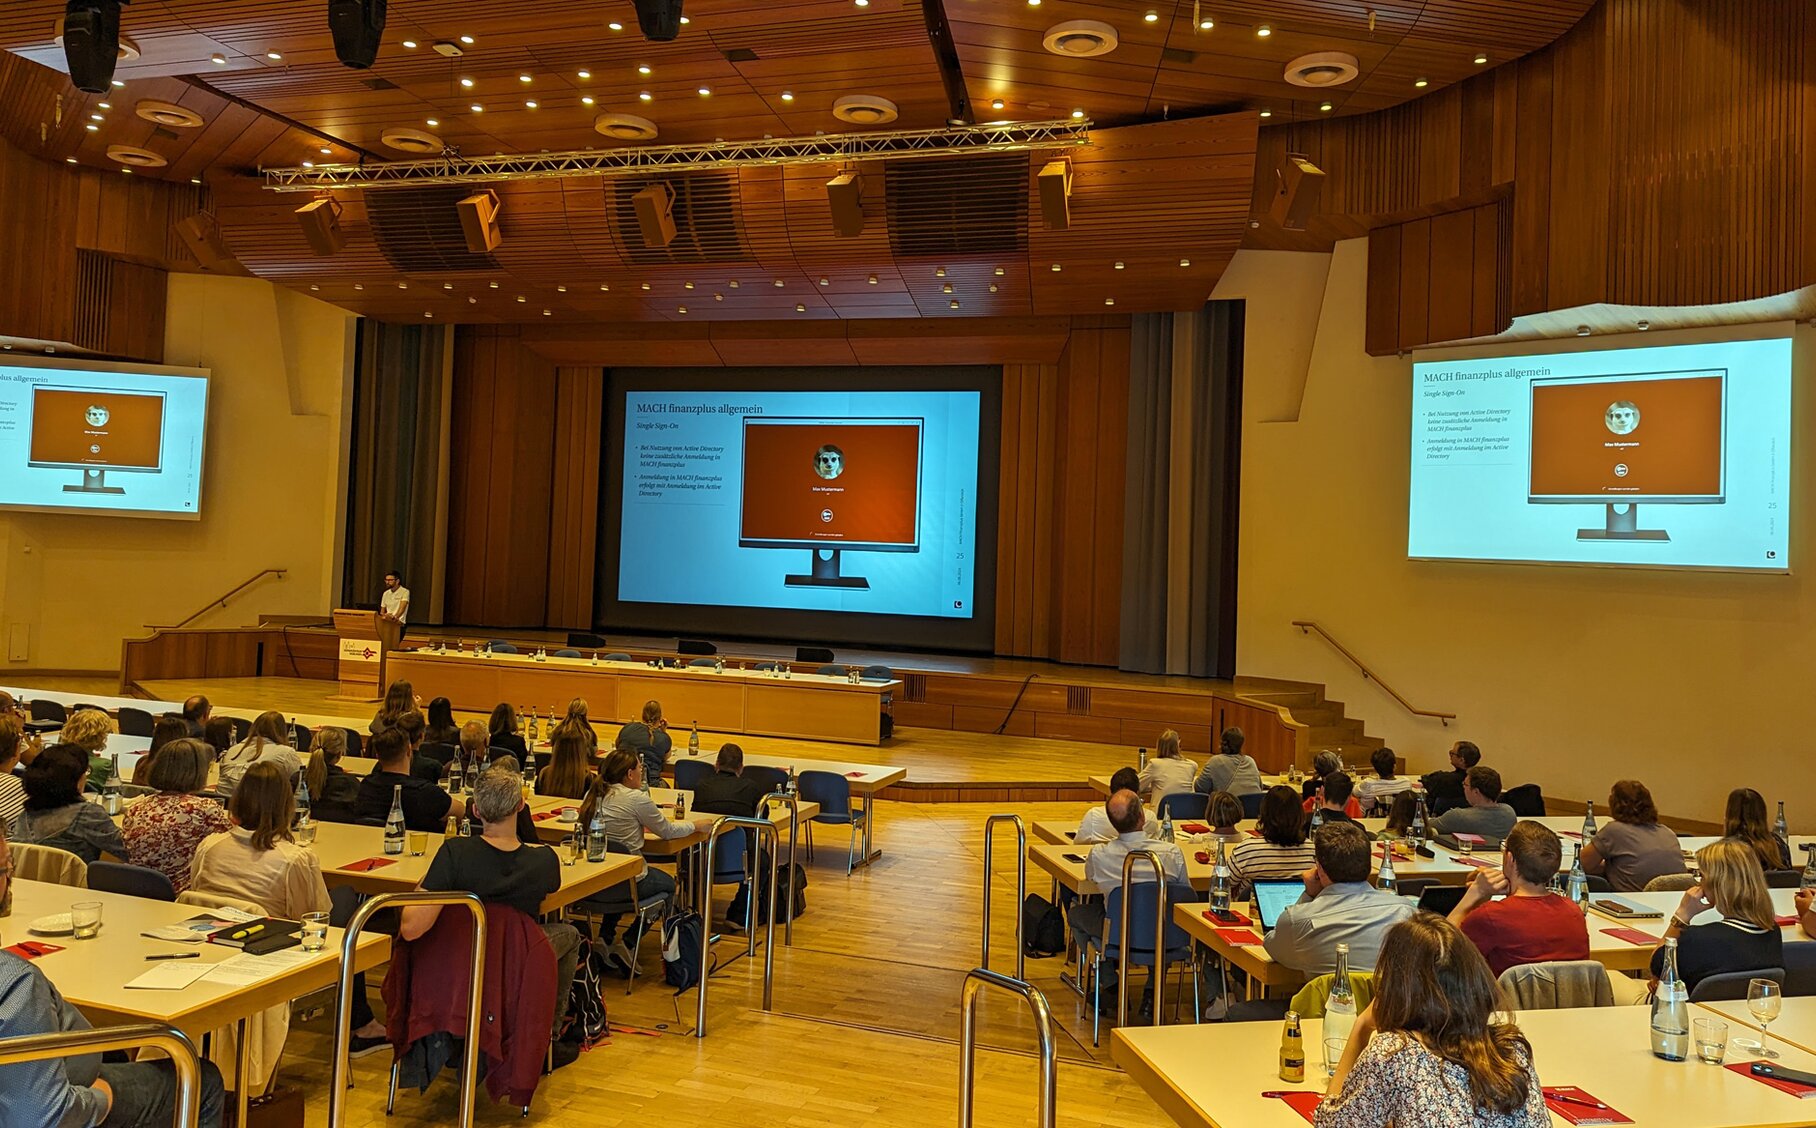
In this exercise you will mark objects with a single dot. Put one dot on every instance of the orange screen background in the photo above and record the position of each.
(132, 436)
(876, 496)
(1679, 438)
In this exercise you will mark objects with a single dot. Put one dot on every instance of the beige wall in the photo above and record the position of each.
(1571, 677)
(270, 493)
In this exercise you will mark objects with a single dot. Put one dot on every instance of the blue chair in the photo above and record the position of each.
(775, 779)
(833, 793)
(567, 652)
(1728, 987)
(689, 773)
(1251, 804)
(130, 881)
(1183, 805)
(731, 866)
(877, 673)
(766, 667)
(618, 656)
(353, 741)
(1179, 946)
(135, 722)
(704, 662)
(832, 670)
(500, 646)
(43, 710)
(624, 900)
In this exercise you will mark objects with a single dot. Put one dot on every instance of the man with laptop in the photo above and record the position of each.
(1483, 814)
(1511, 914)
(1335, 905)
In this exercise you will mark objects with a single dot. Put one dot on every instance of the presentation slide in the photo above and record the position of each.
(847, 501)
(101, 440)
(1672, 456)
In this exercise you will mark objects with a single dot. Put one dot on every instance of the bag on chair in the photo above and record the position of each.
(1043, 928)
(683, 936)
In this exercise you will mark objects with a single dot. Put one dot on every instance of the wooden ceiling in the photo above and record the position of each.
(1152, 191)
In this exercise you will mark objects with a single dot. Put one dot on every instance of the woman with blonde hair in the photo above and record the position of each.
(569, 773)
(88, 729)
(1167, 772)
(1428, 1052)
(332, 790)
(576, 716)
(268, 742)
(1744, 938)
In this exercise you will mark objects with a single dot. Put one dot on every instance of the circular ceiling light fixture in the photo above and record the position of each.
(168, 114)
(411, 141)
(864, 109)
(1323, 69)
(135, 156)
(625, 127)
(1080, 39)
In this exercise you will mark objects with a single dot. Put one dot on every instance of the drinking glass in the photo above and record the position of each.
(1333, 1054)
(1711, 1039)
(86, 917)
(315, 931)
(419, 843)
(1764, 998)
(574, 847)
(304, 833)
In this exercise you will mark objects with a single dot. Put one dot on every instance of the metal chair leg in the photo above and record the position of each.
(851, 849)
(1096, 996)
(391, 1096)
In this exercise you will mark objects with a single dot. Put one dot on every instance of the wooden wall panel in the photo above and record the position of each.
(574, 522)
(1437, 279)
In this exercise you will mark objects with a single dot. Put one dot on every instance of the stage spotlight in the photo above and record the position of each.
(357, 27)
(659, 19)
(91, 43)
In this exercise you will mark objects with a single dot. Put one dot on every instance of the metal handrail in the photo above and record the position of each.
(761, 827)
(1021, 887)
(343, 1010)
(222, 601)
(782, 795)
(1306, 626)
(1160, 936)
(975, 981)
(71, 1043)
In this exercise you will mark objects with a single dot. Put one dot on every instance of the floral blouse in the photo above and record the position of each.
(163, 830)
(1397, 1080)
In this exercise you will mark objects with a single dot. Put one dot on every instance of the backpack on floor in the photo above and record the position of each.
(683, 936)
(587, 1021)
(1043, 928)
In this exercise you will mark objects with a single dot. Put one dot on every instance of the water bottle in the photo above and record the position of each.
(394, 822)
(1141, 759)
(693, 740)
(466, 826)
(1340, 1012)
(110, 791)
(1387, 879)
(295, 740)
(1808, 881)
(1220, 881)
(1577, 888)
(457, 770)
(794, 786)
(1779, 826)
(595, 835)
(1588, 820)
(1416, 832)
(303, 811)
(1671, 1010)
(1317, 816)
(535, 728)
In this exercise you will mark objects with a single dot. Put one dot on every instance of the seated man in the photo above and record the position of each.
(474, 742)
(501, 870)
(726, 791)
(1444, 790)
(77, 1091)
(1376, 795)
(1103, 865)
(1095, 826)
(425, 804)
(1339, 907)
(1530, 924)
(1336, 800)
(1231, 769)
(1483, 812)
(197, 711)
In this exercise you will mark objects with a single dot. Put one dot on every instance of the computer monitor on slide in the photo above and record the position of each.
(831, 486)
(95, 430)
(1617, 441)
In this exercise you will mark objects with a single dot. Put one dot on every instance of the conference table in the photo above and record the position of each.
(93, 974)
(1222, 1075)
(865, 780)
(1796, 1021)
(804, 706)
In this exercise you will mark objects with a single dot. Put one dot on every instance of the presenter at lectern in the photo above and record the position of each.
(393, 611)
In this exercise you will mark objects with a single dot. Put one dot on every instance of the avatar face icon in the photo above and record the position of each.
(829, 462)
(1622, 417)
(96, 415)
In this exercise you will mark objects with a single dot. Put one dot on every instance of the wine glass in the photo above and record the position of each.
(1764, 998)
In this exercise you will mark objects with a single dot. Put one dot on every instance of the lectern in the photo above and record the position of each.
(362, 659)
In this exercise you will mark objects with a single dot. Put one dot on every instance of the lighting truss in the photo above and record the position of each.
(453, 168)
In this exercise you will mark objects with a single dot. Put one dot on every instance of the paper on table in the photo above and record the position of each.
(170, 975)
(244, 970)
(198, 928)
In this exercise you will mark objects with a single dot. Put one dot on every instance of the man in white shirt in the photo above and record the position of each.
(1095, 826)
(1103, 865)
(393, 610)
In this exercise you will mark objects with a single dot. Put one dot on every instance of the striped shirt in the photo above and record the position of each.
(1256, 859)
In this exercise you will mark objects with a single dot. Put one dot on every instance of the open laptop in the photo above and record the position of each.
(1271, 897)
(1617, 909)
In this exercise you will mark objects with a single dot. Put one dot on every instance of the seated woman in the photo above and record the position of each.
(442, 729)
(269, 742)
(257, 861)
(1429, 1052)
(1746, 938)
(627, 811)
(57, 815)
(88, 729)
(503, 733)
(1745, 822)
(1282, 852)
(577, 716)
(1311, 791)
(332, 790)
(1167, 771)
(1223, 811)
(1633, 848)
(218, 735)
(169, 727)
(1399, 815)
(163, 831)
(400, 698)
(569, 773)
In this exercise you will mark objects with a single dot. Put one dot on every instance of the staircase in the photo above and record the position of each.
(1329, 727)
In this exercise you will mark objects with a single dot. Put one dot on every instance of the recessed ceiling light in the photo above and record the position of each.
(1109, 301)
(1267, 113)
(1185, 262)
(192, 180)
(645, 286)
(587, 100)
(1206, 24)
(953, 304)
(494, 285)
(996, 103)
(467, 82)
(105, 105)
(548, 313)
(403, 285)
(946, 289)
(432, 122)
(1078, 113)
(525, 78)
(447, 285)
(1151, 17)
(93, 128)
(218, 59)
(472, 301)
(325, 151)
(778, 283)
(359, 285)
(605, 287)
(706, 91)
(529, 105)
(799, 308)
(643, 96)
(825, 281)
(521, 298)
(1582, 330)
(477, 108)
(1480, 59)
(1033, 3)
(687, 285)
(585, 74)
(999, 272)
(118, 84)
(1056, 268)
(273, 55)
(861, 3)
(718, 297)
(787, 97)
(467, 39)
(313, 286)
(680, 309)
(1119, 264)
(410, 44)
(643, 68)
(685, 21)
(1421, 83)
(615, 26)
(1263, 31)
(939, 272)
(97, 117)
(561, 289)
(426, 313)
(1324, 106)
(734, 284)
(871, 279)
(72, 160)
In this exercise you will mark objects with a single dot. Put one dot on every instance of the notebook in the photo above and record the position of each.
(1272, 897)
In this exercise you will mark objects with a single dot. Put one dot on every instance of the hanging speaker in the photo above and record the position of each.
(845, 192)
(1056, 194)
(479, 221)
(320, 220)
(91, 43)
(656, 214)
(1296, 200)
(357, 26)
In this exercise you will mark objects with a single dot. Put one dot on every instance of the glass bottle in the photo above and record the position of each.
(394, 822)
(693, 740)
(1387, 880)
(1670, 1010)
(1141, 759)
(303, 810)
(1317, 819)
(1416, 832)
(1808, 881)
(1779, 826)
(595, 835)
(110, 791)
(1588, 820)
(1577, 887)
(1292, 1050)
(1220, 881)
(1339, 1012)
(1166, 827)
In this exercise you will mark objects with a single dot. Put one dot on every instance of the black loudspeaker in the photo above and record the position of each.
(91, 43)
(659, 19)
(695, 646)
(816, 654)
(357, 27)
(581, 641)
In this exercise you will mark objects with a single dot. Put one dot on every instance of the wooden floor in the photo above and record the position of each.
(866, 1019)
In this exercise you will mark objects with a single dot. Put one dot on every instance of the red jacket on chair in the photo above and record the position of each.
(519, 996)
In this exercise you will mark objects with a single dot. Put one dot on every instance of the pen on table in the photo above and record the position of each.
(1561, 1096)
(176, 956)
